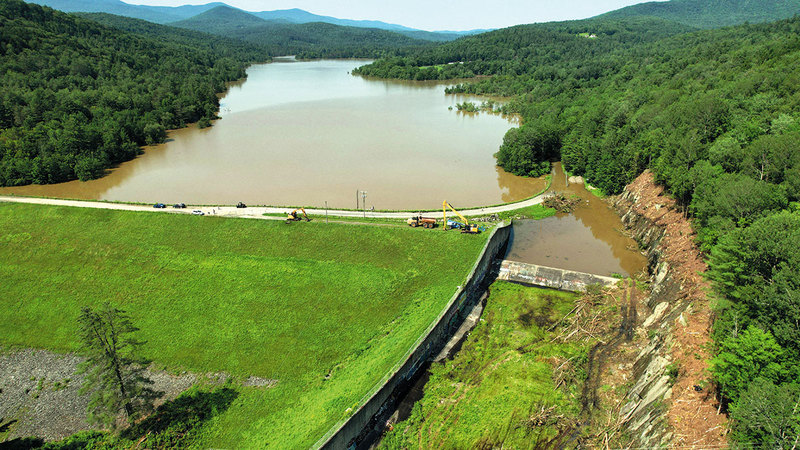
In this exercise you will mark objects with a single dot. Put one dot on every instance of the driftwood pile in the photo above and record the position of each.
(561, 202)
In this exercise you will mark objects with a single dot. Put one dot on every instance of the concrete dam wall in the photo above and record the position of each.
(383, 396)
(550, 277)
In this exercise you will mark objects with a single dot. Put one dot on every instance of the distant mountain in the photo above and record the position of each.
(167, 14)
(221, 20)
(713, 13)
(300, 16)
(156, 14)
(314, 39)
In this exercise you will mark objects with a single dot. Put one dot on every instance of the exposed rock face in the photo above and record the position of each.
(671, 402)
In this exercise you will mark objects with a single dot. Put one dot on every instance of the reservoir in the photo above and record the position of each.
(306, 133)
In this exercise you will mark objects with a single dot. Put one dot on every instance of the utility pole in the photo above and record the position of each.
(364, 200)
(326, 212)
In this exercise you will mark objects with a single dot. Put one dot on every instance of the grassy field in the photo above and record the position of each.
(500, 390)
(325, 309)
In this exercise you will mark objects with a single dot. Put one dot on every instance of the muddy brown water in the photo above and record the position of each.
(303, 133)
(588, 240)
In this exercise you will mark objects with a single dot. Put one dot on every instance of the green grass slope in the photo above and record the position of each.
(502, 376)
(288, 302)
(713, 13)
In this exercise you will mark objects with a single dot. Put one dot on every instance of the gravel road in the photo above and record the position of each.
(258, 212)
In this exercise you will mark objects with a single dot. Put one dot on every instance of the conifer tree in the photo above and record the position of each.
(115, 374)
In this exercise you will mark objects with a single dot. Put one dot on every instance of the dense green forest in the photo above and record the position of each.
(540, 51)
(78, 97)
(192, 40)
(716, 116)
(307, 40)
(712, 13)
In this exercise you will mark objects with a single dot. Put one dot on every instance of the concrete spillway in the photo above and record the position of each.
(551, 277)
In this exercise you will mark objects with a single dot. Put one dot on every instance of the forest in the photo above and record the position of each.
(712, 13)
(78, 97)
(715, 115)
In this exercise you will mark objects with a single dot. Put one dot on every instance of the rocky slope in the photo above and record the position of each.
(672, 402)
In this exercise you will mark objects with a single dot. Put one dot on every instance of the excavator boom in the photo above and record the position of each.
(446, 205)
(467, 228)
(294, 216)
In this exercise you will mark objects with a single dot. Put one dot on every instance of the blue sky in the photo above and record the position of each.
(431, 14)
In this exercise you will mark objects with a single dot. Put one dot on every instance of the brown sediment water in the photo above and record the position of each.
(306, 133)
(587, 240)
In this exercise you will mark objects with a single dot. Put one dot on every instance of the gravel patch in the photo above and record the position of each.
(259, 382)
(39, 394)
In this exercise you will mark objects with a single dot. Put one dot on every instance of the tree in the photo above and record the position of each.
(768, 414)
(114, 374)
(527, 150)
(743, 358)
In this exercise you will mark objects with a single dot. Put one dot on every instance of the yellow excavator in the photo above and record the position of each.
(295, 216)
(465, 227)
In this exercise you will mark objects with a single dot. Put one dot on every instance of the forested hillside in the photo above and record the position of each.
(539, 50)
(716, 116)
(78, 97)
(307, 40)
(713, 13)
(232, 48)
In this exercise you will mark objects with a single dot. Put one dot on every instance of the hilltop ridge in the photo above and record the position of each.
(712, 13)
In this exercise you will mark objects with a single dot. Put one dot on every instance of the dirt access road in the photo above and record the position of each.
(258, 212)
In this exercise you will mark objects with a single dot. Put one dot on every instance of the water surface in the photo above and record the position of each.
(588, 240)
(303, 133)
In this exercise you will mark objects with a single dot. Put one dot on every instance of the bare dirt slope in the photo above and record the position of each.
(692, 411)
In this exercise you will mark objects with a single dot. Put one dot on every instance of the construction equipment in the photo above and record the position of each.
(419, 221)
(294, 216)
(465, 227)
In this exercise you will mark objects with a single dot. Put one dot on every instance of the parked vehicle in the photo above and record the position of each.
(453, 224)
(197, 212)
(179, 205)
(419, 221)
(241, 205)
(465, 226)
(295, 216)
(159, 205)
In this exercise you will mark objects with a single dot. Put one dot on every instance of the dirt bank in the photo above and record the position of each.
(672, 402)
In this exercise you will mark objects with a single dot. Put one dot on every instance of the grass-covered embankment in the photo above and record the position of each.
(502, 388)
(295, 303)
